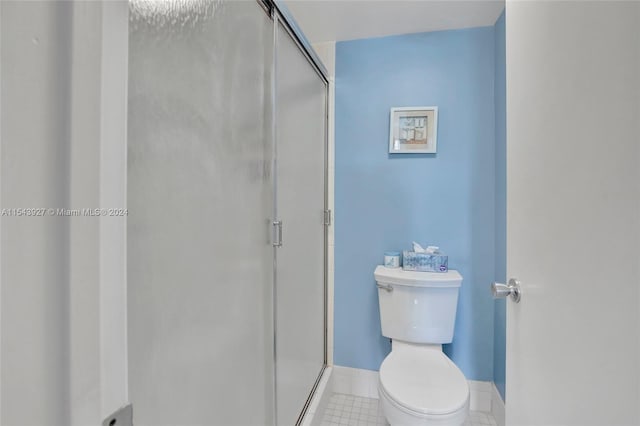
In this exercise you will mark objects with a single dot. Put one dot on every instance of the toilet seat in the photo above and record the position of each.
(424, 383)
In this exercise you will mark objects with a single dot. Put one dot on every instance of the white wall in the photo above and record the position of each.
(34, 165)
(62, 280)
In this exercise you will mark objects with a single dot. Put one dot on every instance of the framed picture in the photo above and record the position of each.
(413, 130)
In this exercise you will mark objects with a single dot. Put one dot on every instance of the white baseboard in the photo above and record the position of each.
(480, 396)
(313, 416)
(497, 406)
(355, 381)
(364, 383)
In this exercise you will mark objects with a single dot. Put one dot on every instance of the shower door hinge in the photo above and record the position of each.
(327, 217)
(277, 233)
(122, 417)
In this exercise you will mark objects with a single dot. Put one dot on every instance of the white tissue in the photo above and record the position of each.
(417, 248)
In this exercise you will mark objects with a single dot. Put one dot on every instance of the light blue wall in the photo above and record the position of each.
(499, 316)
(384, 201)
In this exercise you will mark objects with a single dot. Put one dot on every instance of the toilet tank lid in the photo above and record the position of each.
(399, 276)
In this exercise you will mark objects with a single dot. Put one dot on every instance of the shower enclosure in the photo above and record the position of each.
(226, 234)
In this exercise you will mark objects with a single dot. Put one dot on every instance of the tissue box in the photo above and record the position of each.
(424, 262)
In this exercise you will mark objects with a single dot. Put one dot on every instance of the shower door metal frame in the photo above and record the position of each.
(281, 15)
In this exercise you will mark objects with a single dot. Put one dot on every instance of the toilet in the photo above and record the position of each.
(419, 384)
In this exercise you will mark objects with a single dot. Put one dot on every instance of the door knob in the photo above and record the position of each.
(503, 290)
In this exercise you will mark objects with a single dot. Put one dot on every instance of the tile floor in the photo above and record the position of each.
(358, 411)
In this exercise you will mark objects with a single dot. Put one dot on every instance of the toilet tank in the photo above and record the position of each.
(418, 307)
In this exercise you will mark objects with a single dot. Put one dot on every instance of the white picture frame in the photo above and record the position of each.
(413, 130)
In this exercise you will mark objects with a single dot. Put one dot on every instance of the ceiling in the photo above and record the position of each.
(331, 20)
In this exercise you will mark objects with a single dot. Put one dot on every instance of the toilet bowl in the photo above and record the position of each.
(420, 385)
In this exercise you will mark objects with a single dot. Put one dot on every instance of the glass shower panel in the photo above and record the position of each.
(200, 192)
(300, 294)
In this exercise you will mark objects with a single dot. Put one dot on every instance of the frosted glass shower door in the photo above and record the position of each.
(200, 196)
(300, 271)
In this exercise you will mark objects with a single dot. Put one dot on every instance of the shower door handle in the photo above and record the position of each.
(277, 233)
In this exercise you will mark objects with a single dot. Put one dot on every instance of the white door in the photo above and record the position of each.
(573, 212)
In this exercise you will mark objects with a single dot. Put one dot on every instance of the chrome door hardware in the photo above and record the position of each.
(327, 217)
(512, 289)
(277, 233)
(387, 287)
